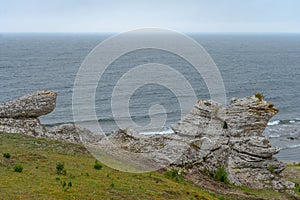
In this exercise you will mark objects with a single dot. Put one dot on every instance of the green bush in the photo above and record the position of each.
(221, 175)
(60, 169)
(97, 165)
(6, 155)
(18, 168)
(175, 175)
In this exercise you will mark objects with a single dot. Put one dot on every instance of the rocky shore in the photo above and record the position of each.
(214, 137)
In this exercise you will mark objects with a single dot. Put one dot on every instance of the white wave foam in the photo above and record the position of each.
(272, 123)
(293, 146)
(167, 131)
(292, 121)
(274, 136)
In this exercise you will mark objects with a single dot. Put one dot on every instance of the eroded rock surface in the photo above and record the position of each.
(21, 115)
(29, 106)
(71, 133)
(213, 136)
(231, 137)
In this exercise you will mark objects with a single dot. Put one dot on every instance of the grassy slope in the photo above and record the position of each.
(40, 181)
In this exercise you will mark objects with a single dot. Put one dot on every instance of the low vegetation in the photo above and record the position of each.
(97, 165)
(260, 96)
(60, 169)
(18, 168)
(176, 175)
(6, 155)
(54, 170)
(221, 175)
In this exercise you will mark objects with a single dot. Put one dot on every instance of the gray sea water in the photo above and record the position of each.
(249, 63)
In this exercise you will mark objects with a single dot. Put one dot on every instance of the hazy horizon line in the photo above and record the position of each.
(115, 32)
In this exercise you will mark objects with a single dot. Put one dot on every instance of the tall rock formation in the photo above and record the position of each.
(213, 137)
(231, 138)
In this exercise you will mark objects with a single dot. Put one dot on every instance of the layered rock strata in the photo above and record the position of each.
(21, 115)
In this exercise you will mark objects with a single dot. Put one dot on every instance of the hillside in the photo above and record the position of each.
(39, 178)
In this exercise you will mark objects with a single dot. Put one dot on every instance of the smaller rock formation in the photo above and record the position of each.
(29, 106)
(21, 115)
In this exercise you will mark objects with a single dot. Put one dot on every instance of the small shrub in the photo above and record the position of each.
(97, 165)
(70, 184)
(112, 185)
(66, 186)
(271, 169)
(18, 168)
(6, 155)
(175, 174)
(260, 96)
(297, 188)
(221, 175)
(60, 169)
(225, 126)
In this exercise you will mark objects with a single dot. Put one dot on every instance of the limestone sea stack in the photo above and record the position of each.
(21, 115)
(232, 137)
(218, 137)
(29, 106)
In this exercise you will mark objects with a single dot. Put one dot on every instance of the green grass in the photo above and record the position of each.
(221, 175)
(176, 175)
(41, 158)
(266, 194)
(57, 170)
(292, 173)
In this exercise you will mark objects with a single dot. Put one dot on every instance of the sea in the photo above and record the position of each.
(248, 63)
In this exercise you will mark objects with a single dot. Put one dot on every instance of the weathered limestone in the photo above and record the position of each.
(235, 142)
(31, 127)
(21, 115)
(71, 133)
(213, 136)
(29, 106)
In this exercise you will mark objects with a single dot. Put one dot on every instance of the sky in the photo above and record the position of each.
(125, 15)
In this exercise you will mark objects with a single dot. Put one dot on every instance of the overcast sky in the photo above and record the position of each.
(125, 15)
